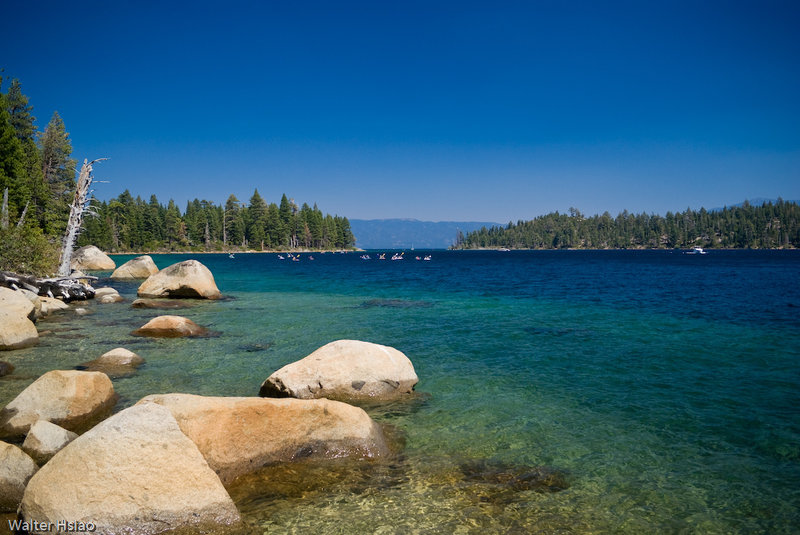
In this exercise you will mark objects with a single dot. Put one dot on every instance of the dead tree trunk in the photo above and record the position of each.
(80, 205)
(4, 210)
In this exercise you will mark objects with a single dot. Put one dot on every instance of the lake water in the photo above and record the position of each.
(659, 391)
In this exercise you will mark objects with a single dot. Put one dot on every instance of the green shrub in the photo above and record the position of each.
(28, 251)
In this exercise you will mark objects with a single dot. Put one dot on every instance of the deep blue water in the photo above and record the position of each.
(663, 387)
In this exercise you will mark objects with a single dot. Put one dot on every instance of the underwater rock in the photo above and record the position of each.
(395, 303)
(347, 370)
(167, 304)
(6, 368)
(513, 477)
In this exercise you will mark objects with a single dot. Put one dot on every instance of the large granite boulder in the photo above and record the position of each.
(240, 435)
(18, 303)
(45, 439)
(16, 331)
(17, 314)
(16, 468)
(72, 399)
(119, 362)
(189, 278)
(37, 303)
(170, 327)
(90, 258)
(140, 267)
(348, 370)
(135, 473)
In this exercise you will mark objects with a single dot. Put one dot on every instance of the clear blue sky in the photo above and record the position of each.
(487, 111)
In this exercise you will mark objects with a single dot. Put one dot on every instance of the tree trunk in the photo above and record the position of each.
(79, 207)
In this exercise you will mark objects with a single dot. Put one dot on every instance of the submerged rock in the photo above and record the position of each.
(170, 327)
(45, 439)
(134, 473)
(348, 370)
(241, 435)
(16, 468)
(395, 303)
(72, 399)
(90, 258)
(140, 267)
(6, 368)
(514, 477)
(189, 278)
(119, 362)
(168, 304)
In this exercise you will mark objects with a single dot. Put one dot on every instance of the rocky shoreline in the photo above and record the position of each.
(182, 463)
(164, 463)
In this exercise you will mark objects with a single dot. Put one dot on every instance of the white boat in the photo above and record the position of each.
(427, 258)
(364, 257)
(231, 256)
(397, 256)
(281, 257)
(697, 250)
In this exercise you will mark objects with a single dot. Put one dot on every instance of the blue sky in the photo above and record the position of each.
(482, 111)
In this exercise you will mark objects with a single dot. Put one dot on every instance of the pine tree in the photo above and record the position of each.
(257, 216)
(58, 171)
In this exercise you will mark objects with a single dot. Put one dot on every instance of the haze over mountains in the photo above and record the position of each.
(405, 233)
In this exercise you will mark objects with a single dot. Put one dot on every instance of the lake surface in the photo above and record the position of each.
(660, 390)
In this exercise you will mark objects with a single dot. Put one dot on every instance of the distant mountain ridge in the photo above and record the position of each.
(405, 233)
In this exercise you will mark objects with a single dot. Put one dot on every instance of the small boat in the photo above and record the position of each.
(397, 256)
(697, 250)
(310, 257)
(231, 256)
(382, 256)
(281, 257)
(364, 257)
(427, 258)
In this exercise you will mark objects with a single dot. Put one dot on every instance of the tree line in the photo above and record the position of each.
(126, 223)
(769, 225)
(38, 181)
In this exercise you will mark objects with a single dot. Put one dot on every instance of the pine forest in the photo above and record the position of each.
(768, 225)
(38, 181)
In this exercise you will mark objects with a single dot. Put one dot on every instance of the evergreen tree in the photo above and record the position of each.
(256, 229)
(58, 171)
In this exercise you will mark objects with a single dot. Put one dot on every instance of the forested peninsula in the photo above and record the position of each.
(127, 224)
(38, 182)
(766, 226)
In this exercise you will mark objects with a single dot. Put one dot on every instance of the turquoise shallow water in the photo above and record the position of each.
(662, 388)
